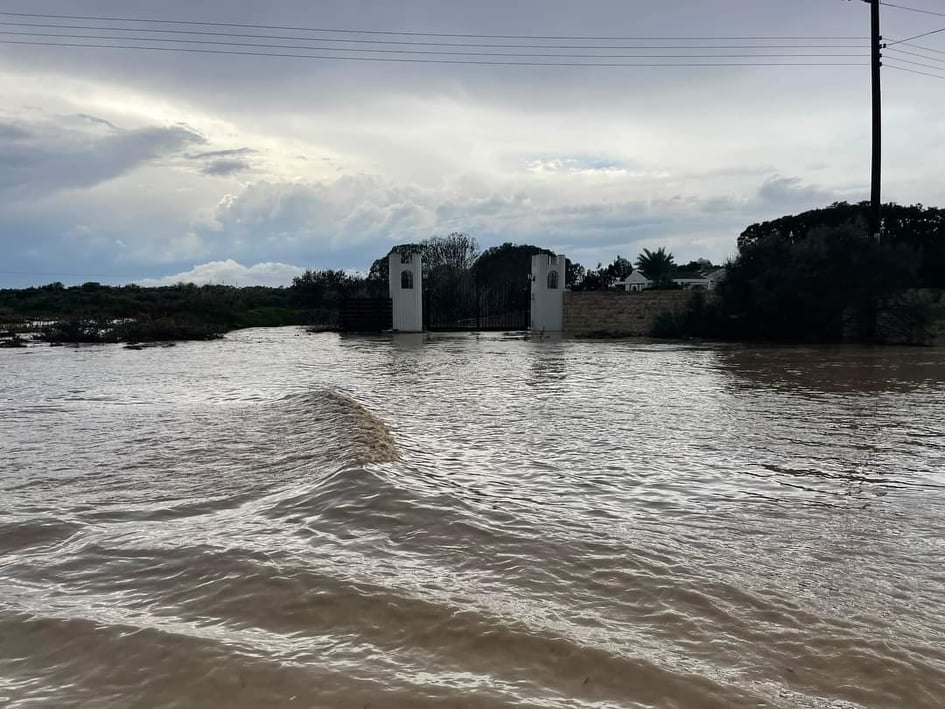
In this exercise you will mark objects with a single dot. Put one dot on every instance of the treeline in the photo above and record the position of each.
(658, 266)
(820, 277)
(812, 277)
(93, 312)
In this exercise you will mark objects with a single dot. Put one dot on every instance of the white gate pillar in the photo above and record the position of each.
(548, 273)
(406, 291)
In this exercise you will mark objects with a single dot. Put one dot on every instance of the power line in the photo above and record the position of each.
(912, 9)
(390, 32)
(420, 51)
(914, 71)
(924, 49)
(243, 35)
(422, 61)
(924, 34)
(909, 61)
(916, 54)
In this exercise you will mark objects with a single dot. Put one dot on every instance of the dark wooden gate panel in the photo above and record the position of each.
(365, 315)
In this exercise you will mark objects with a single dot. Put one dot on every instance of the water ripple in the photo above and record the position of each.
(484, 521)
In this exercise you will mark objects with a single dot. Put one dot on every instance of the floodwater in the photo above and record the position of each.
(285, 519)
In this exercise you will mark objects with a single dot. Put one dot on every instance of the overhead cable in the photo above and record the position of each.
(914, 71)
(909, 39)
(243, 35)
(909, 61)
(420, 51)
(916, 54)
(912, 9)
(416, 60)
(924, 49)
(143, 20)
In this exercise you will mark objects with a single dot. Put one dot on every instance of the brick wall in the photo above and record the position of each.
(618, 313)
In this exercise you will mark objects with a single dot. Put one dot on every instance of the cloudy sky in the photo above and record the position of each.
(123, 165)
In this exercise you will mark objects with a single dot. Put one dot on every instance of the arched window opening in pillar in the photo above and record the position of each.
(552, 279)
(406, 279)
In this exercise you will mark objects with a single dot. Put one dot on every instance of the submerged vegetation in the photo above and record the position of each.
(93, 312)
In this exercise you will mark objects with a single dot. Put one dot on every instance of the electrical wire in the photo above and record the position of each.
(909, 39)
(909, 61)
(912, 9)
(914, 71)
(420, 51)
(398, 33)
(924, 49)
(242, 35)
(916, 54)
(421, 61)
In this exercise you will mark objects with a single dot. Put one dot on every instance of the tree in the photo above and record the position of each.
(920, 229)
(658, 266)
(508, 263)
(620, 268)
(455, 252)
(827, 285)
(575, 274)
(695, 268)
(594, 279)
(323, 288)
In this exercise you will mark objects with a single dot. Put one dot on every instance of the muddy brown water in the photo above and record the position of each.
(283, 519)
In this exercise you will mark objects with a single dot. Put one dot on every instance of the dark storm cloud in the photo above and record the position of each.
(224, 167)
(41, 158)
(223, 163)
(95, 120)
(221, 154)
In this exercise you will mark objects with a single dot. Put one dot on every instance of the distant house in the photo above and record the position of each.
(636, 281)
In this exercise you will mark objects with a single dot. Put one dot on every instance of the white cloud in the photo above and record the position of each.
(231, 273)
(357, 218)
(132, 163)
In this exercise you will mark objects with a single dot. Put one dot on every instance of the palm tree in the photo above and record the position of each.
(657, 265)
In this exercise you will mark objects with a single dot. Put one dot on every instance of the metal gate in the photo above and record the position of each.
(464, 301)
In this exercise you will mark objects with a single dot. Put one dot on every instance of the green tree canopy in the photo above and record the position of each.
(917, 228)
(506, 263)
(658, 265)
(824, 286)
(454, 252)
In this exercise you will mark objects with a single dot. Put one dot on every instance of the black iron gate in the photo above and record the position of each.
(465, 301)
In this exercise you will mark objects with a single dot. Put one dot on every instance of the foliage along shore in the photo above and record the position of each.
(812, 277)
(820, 277)
(96, 313)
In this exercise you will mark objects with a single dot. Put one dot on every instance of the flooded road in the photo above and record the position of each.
(284, 519)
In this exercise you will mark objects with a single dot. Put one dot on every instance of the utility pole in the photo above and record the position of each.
(875, 200)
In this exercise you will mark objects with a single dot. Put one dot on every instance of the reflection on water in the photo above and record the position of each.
(288, 519)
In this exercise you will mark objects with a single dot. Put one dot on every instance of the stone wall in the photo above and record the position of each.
(617, 313)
